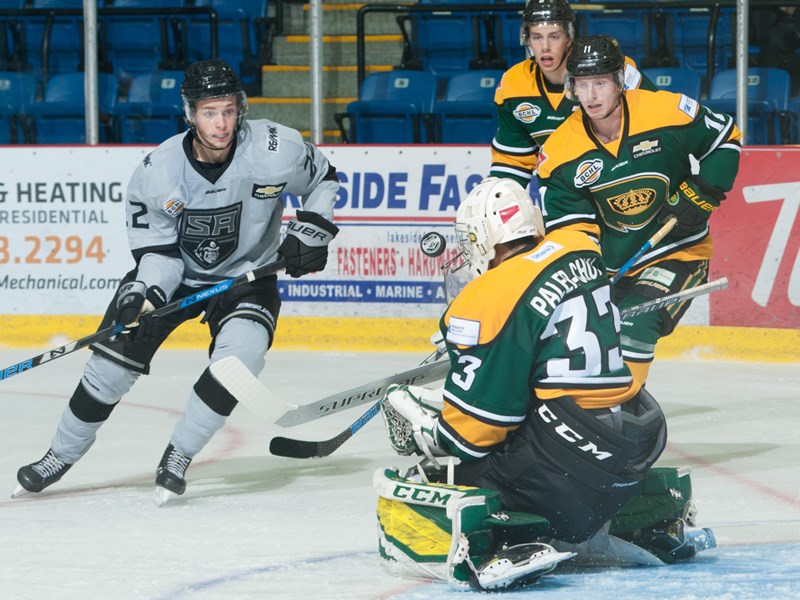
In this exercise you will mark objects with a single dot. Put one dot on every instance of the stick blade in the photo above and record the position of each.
(289, 448)
(231, 373)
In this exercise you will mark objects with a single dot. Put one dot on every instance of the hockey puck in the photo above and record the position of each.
(432, 244)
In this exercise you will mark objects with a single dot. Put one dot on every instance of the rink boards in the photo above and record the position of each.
(63, 249)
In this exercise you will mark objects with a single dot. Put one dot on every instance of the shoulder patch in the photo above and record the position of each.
(545, 251)
(688, 106)
(272, 138)
(633, 78)
(174, 206)
(463, 332)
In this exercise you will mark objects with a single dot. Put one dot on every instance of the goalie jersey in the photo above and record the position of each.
(224, 221)
(529, 109)
(615, 191)
(539, 325)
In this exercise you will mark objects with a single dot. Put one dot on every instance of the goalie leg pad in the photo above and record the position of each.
(660, 518)
(665, 493)
(439, 531)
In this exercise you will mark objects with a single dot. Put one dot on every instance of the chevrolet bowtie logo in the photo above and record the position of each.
(645, 146)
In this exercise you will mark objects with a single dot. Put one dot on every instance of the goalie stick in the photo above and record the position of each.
(111, 331)
(291, 448)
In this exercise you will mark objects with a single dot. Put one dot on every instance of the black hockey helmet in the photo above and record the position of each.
(211, 79)
(539, 12)
(595, 55)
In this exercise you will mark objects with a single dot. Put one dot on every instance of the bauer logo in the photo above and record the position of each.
(527, 112)
(268, 191)
(588, 172)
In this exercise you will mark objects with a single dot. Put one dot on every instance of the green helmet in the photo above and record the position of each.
(540, 12)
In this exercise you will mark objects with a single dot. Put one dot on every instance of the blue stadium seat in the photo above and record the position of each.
(52, 43)
(510, 32)
(689, 38)
(61, 116)
(676, 79)
(153, 110)
(17, 92)
(444, 42)
(139, 44)
(390, 108)
(467, 114)
(631, 28)
(241, 27)
(767, 101)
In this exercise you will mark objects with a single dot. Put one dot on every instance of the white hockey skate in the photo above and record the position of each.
(517, 566)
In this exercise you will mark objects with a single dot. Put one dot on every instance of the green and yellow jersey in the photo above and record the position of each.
(529, 108)
(539, 325)
(614, 191)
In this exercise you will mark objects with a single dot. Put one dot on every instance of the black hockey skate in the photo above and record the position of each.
(169, 475)
(673, 539)
(41, 474)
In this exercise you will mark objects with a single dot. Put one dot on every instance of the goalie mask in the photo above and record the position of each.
(496, 211)
(211, 79)
(593, 56)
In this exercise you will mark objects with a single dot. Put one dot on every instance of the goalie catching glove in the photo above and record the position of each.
(692, 204)
(410, 413)
(134, 302)
(305, 246)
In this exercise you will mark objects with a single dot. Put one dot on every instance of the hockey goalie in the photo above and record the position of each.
(540, 446)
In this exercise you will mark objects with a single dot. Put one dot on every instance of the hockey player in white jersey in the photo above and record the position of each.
(203, 207)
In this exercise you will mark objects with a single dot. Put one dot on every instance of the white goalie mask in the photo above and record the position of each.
(496, 211)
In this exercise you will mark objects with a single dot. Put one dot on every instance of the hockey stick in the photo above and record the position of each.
(656, 237)
(291, 448)
(682, 296)
(231, 373)
(111, 331)
(429, 370)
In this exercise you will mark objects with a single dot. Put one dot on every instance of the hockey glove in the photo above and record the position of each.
(134, 301)
(692, 204)
(305, 246)
(410, 414)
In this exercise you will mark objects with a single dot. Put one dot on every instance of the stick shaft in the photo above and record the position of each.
(104, 334)
(656, 237)
(292, 448)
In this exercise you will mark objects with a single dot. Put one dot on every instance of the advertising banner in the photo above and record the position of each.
(757, 243)
(63, 246)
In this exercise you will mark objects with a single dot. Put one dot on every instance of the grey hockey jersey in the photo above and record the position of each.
(223, 222)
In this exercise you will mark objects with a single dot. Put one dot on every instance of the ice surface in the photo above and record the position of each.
(256, 526)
